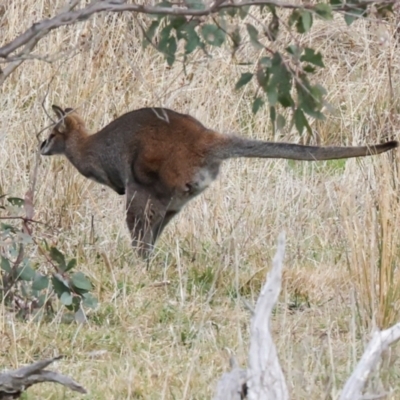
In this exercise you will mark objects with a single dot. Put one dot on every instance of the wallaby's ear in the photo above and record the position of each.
(61, 127)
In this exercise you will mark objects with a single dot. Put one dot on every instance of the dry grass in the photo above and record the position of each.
(173, 342)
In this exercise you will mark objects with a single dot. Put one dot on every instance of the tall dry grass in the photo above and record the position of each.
(149, 341)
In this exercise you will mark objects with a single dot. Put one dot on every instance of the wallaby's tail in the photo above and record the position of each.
(234, 146)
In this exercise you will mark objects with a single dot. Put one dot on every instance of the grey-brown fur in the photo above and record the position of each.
(162, 159)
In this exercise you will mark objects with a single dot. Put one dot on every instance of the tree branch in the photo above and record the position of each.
(70, 17)
(14, 383)
(380, 342)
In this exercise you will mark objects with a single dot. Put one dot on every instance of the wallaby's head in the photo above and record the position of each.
(69, 125)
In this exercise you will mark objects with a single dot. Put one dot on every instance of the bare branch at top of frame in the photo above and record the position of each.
(72, 16)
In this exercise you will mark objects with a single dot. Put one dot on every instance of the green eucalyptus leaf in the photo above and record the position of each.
(262, 76)
(312, 57)
(16, 201)
(178, 22)
(58, 257)
(324, 11)
(243, 11)
(300, 121)
(60, 285)
(40, 282)
(353, 14)
(71, 264)
(7, 228)
(244, 79)
(272, 114)
(257, 104)
(89, 300)
(306, 20)
(253, 34)
(26, 273)
(212, 34)
(195, 4)
(66, 298)
(80, 281)
(5, 264)
(151, 30)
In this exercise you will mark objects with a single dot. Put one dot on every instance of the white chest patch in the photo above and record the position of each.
(201, 180)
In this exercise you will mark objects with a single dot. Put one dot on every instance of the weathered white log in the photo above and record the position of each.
(14, 383)
(264, 378)
(381, 340)
(232, 385)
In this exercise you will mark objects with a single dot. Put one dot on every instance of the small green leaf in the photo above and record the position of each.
(236, 38)
(71, 264)
(80, 281)
(196, 4)
(262, 76)
(170, 50)
(300, 121)
(323, 10)
(265, 61)
(58, 257)
(212, 34)
(60, 285)
(164, 3)
(231, 11)
(244, 79)
(192, 40)
(7, 227)
(243, 11)
(89, 300)
(257, 104)
(5, 264)
(42, 300)
(312, 57)
(306, 21)
(354, 14)
(285, 99)
(66, 298)
(16, 201)
(253, 34)
(272, 94)
(150, 33)
(336, 2)
(40, 282)
(295, 51)
(309, 68)
(272, 114)
(26, 273)
(178, 22)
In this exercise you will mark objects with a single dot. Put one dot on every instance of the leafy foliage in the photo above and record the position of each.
(283, 78)
(28, 285)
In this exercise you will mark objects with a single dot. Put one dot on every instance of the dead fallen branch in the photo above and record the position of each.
(264, 379)
(14, 383)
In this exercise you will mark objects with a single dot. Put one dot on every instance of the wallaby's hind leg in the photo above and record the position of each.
(144, 214)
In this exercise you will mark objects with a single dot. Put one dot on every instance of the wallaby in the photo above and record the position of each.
(162, 159)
